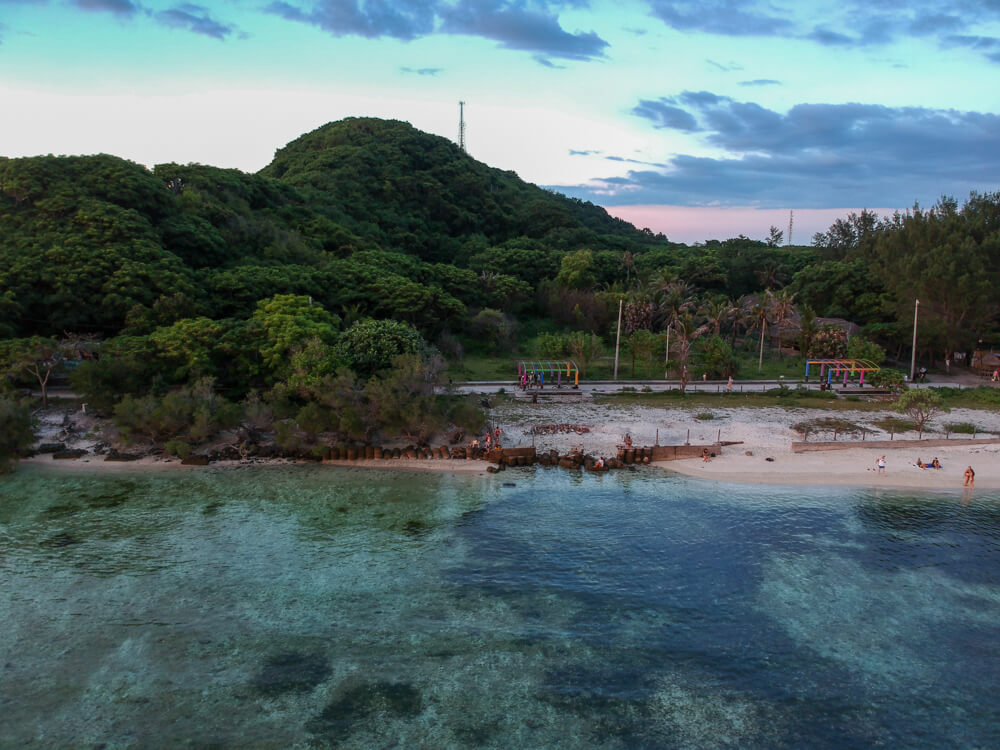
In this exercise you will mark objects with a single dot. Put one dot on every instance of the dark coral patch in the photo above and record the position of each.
(357, 703)
(291, 672)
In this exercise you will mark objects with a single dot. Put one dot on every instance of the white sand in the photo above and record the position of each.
(764, 432)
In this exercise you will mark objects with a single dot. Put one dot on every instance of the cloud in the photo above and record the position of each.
(761, 82)
(725, 67)
(516, 26)
(813, 155)
(728, 17)
(371, 19)
(421, 71)
(194, 18)
(526, 25)
(117, 7)
(663, 114)
(851, 23)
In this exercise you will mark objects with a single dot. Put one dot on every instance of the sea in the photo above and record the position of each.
(313, 607)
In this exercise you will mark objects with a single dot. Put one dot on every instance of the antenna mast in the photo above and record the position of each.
(461, 125)
(791, 220)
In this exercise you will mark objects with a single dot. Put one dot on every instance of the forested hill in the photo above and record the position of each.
(370, 217)
(420, 193)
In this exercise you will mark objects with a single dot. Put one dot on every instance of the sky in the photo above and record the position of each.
(700, 119)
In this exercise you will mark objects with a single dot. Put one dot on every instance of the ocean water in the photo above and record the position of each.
(309, 607)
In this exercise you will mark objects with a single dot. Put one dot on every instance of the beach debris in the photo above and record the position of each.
(748, 453)
(769, 459)
(554, 429)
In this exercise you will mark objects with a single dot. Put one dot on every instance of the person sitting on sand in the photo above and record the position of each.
(921, 464)
(970, 477)
(705, 456)
(935, 463)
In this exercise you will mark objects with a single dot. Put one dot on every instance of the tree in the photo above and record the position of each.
(577, 270)
(640, 343)
(35, 356)
(861, 348)
(946, 258)
(16, 432)
(687, 331)
(921, 405)
(758, 310)
(585, 347)
(782, 309)
(286, 323)
(371, 345)
(775, 237)
(715, 357)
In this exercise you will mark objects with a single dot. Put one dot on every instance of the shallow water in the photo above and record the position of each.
(318, 607)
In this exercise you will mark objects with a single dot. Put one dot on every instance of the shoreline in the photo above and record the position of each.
(847, 468)
(763, 432)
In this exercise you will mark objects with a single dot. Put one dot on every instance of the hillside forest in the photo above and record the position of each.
(334, 291)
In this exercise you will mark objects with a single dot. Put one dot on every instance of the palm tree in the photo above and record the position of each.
(759, 311)
(686, 330)
(783, 305)
(674, 297)
(717, 311)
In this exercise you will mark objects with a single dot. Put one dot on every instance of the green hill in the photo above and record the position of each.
(365, 215)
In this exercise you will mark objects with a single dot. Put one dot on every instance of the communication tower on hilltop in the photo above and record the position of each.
(791, 220)
(461, 125)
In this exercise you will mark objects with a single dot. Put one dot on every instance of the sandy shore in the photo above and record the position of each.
(854, 467)
(763, 432)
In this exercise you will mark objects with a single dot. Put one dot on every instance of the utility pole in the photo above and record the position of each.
(913, 356)
(618, 337)
(461, 126)
(791, 221)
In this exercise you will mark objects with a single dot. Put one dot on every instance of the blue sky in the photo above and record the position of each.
(698, 119)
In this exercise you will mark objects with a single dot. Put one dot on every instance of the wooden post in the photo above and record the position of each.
(688, 441)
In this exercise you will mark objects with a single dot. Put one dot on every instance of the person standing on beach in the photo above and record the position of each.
(880, 463)
(970, 477)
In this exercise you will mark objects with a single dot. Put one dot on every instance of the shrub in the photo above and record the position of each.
(962, 428)
(177, 448)
(704, 415)
(921, 406)
(16, 432)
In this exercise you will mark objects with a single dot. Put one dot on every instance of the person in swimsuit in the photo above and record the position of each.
(880, 463)
(970, 477)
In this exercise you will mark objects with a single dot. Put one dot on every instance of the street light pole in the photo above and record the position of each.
(913, 356)
(618, 337)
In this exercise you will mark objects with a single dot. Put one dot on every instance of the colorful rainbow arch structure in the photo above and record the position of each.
(555, 369)
(845, 367)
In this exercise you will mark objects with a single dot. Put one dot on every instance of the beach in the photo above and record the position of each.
(762, 453)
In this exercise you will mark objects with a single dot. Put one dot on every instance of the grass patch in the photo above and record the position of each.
(834, 426)
(704, 416)
(962, 428)
(982, 397)
(893, 425)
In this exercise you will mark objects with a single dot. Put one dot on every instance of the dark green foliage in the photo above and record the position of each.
(371, 345)
(16, 432)
(195, 413)
(715, 357)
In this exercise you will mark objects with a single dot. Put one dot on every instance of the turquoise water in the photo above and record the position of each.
(319, 607)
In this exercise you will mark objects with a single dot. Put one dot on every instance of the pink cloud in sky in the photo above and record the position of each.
(697, 224)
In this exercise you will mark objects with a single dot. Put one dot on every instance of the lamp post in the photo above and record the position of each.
(913, 356)
(618, 337)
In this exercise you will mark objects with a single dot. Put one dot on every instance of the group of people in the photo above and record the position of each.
(490, 441)
(532, 380)
(969, 474)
